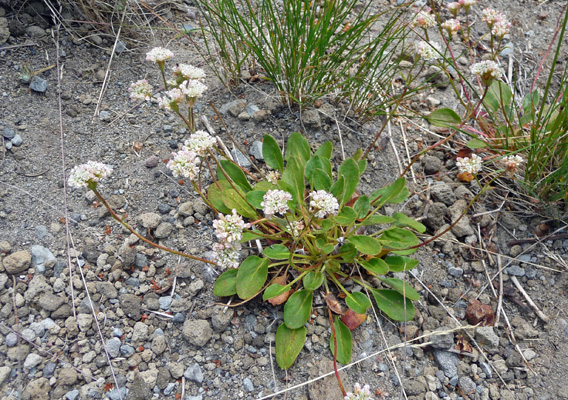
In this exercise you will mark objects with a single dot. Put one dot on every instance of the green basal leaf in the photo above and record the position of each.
(358, 156)
(530, 102)
(375, 266)
(298, 308)
(316, 162)
(289, 343)
(272, 153)
(234, 200)
(362, 166)
(325, 150)
(349, 169)
(265, 186)
(362, 206)
(405, 252)
(400, 263)
(298, 146)
(293, 179)
(405, 221)
(366, 244)
(251, 235)
(444, 117)
(348, 252)
(277, 252)
(236, 174)
(498, 95)
(393, 304)
(346, 216)
(338, 188)
(226, 283)
(398, 239)
(401, 287)
(325, 226)
(255, 198)
(378, 219)
(215, 196)
(251, 276)
(344, 342)
(313, 280)
(358, 302)
(476, 144)
(322, 181)
(274, 290)
(383, 196)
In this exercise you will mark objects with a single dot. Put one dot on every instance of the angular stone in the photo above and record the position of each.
(130, 304)
(234, 107)
(443, 193)
(139, 332)
(17, 262)
(311, 118)
(163, 230)
(448, 362)
(197, 332)
(37, 390)
(486, 336)
(150, 220)
(220, 320)
(38, 84)
(194, 373)
(67, 376)
(445, 341)
(51, 302)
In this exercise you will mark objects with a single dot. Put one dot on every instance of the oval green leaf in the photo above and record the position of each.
(366, 244)
(398, 239)
(362, 206)
(444, 117)
(378, 219)
(298, 146)
(325, 150)
(393, 303)
(344, 342)
(349, 169)
(476, 144)
(298, 308)
(404, 221)
(289, 343)
(313, 280)
(255, 198)
(346, 216)
(226, 283)
(236, 174)
(277, 252)
(348, 252)
(251, 276)
(274, 290)
(401, 287)
(272, 153)
(234, 200)
(358, 302)
(399, 263)
(215, 195)
(322, 181)
(316, 162)
(376, 266)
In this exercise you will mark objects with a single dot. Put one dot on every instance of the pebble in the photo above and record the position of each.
(445, 341)
(221, 318)
(164, 208)
(312, 118)
(140, 332)
(17, 140)
(486, 369)
(131, 304)
(72, 395)
(443, 193)
(126, 350)
(169, 389)
(165, 302)
(120, 46)
(114, 394)
(38, 84)
(17, 262)
(151, 162)
(150, 220)
(113, 347)
(256, 150)
(466, 385)
(194, 373)
(8, 133)
(515, 270)
(32, 361)
(117, 332)
(105, 116)
(11, 339)
(431, 164)
(508, 49)
(456, 272)
(240, 158)
(159, 344)
(234, 107)
(247, 384)
(163, 230)
(486, 336)
(197, 332)
(179, 318)
(448, 362)
(28, 335)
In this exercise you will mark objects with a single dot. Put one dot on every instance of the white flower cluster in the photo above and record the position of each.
(512, 163)
(159, 55)
(497, 21)
(487, 70)
(359, 393)
(452, 25)
(229, 231)
(275, 202)
(295, 227)
(469, 164)
(423, 19)
(200, 142)
(91, 172)
(428, 50)
(454, 7)
(187, 71)
(323, 203)
(192, 88)
(171, 99)
(467, 3)
(273, 177)
(140, 90)
(184, 163)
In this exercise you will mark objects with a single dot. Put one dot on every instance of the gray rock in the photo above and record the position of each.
(37, 389)
(431, 164)
(42, 232)
(159, 344)
(448, 362)
(126, 351)
(4, 30)
(114, 394)
(194, 373)
(311, 118)
(261, 115)
(49, 369)
(487, 337)
(139, 332)
(256, 150)
(4, 374)
(251, 109)
(150, 220)
(11, 339)
(178, 318)
(8, 133)
(86, 306)
(35, 32)
(72, 395)
(165, 302)
(198, 397)
(163, 230)
(445, 341)
(185, 209)
(120, 46)
(130, 304)
(219, 319)
(42, 256)
(515, 270)
(240, 158)
(32, 361)
(140, 260)
(139, 389)
(486, 369)
(169, 389)
(106, 289)
(197, 332)
(456, 272)
(436, 215)
(234, 107)
(17, 262)
(28, 335)
(38, 84)
(508, 49)
(529, 354)
(509, 220)
(414, 387)
(247, 384)
(84, 321)
(113, 347)
(105, 116)
(17, 140)
(466, 385)
(151, 162)
(8, 145)
(51, 302)
(443, 193)
(327, 387)
(67, 377)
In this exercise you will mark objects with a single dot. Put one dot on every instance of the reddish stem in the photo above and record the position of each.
(335, 354)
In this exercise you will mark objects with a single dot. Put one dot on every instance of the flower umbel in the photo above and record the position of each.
(423, 20)
(275, 202)
(192, 88)
(159, 55)
(323, 203)
(454, 8)
(469, 164)
(187, 71)
(501, 28)
(171, 99)
(487, 70)
(229, 228)
(90, 173)
(452, 26)
(359, 393)
(273, 177)
(227, 255)
(184, 163)
(512, 163)
(200, 142)
(140, 90)
(428, 50)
